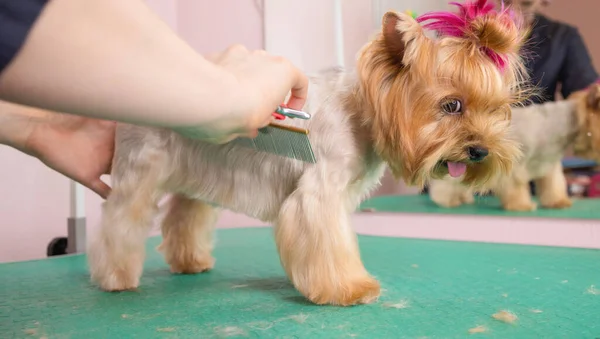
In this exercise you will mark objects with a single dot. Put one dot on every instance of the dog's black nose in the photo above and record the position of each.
(477, 153)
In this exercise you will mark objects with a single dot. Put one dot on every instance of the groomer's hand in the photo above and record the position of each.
(261, 83)
(78, 147)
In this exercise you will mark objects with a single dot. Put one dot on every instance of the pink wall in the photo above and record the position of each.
(308, 37)
(358, 27)
(211, 26)
(33, 207)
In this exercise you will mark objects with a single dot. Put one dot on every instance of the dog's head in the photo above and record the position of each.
(441, 105)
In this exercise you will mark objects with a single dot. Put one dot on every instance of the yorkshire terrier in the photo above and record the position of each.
(424, 106)
(545, 132)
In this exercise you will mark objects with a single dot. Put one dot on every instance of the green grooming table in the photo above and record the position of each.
(433, 289)
(483, 206)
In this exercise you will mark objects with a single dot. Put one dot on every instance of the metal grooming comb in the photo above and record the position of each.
(287, 141)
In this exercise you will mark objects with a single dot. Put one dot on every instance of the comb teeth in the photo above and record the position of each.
(282, 141)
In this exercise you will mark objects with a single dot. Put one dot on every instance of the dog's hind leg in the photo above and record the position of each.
(318, 247)
(188, 235)
(116, 255)
(552, 188)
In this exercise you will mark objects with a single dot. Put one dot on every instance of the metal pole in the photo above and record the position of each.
(76, 224)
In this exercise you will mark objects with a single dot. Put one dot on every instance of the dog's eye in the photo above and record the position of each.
(452, 106)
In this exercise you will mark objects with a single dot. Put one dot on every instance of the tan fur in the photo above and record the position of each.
(414, 128)
(545, 132)
(388, 111)
(187, 235)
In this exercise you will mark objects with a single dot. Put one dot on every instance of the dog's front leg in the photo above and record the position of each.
(319, 250)
(448, 192)
(552, 188)
(116, 255)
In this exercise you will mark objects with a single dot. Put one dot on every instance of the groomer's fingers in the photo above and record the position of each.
(222, 139)
(253, 134)
(236, 52)
(260, 52)
(100, 188)
(213, 57)
(108, 169)
(299, 89)
(237, 49)
(232, 52)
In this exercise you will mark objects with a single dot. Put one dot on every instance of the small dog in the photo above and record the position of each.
(545, 132)
(424, 106)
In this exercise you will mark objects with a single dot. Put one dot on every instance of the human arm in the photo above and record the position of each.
(77, 147)
(578, 71)
(16, 124)
(115, 60)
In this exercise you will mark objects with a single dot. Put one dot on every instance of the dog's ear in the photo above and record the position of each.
(593, 97)
(399, 30)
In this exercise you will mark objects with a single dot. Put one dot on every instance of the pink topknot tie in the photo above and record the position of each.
(459, 24)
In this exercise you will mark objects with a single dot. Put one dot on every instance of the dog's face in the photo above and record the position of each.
(443, 106)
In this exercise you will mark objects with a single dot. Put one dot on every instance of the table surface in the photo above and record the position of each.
(483, 206)
(433, 289)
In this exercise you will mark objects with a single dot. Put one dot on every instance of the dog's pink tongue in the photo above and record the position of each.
(456, 169)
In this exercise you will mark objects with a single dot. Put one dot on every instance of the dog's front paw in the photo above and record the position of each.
(562, 203)
(192, 265)
(112, 277)
(358, 291)
(468, 199)
(527, 206)
(114, 272)
(116, 280)
(186, 259)
(448, 202)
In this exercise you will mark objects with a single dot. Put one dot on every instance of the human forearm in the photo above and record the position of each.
(16, 124)
(122, 64)
(77, 147)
